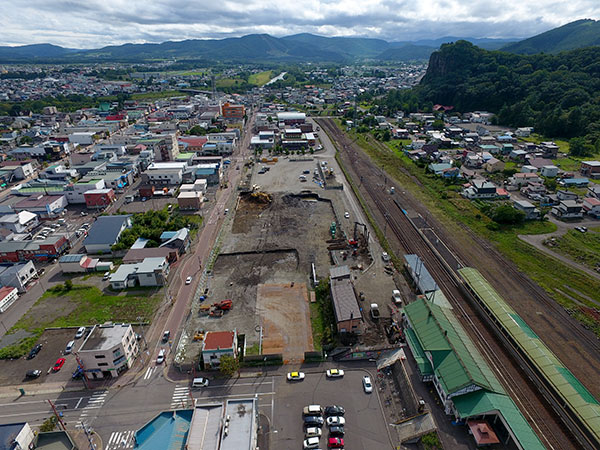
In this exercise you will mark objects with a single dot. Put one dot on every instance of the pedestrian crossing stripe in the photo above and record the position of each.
(121, 439)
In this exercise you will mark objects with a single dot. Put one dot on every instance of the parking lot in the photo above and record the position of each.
(54, 342)
(285, 175)
(365, 424)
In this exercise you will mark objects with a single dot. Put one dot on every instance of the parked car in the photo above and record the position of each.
(188, 280)
(367, 385)
(34, 351)
(396, 297)
(335, 421)
(80, 332)
(166, 336)
(311, 442)
(335, 373)
(30, 374)
(336, 431)
(313, 421)
(335, 442)
(385, 256)
(106, 276)
(58, 365)
(313, 431)
(69, 347)
(295, 376)
(312, 410)
(334, 410)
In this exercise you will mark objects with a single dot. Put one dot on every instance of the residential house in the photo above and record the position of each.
(105, 232)
(549, 150)
(550, 171)
(493, 165)
(567, 210)
(108, 351)
(75, 191)
(439, 169)
(591, 206)
(99, 198)
(531, 212)
(518, 180)
(480, 189)
(20, 169)
(177, 240)
(215, 345)
(574, 182)
(150, 272)
(137, 255)
(590, 169)
(566, 195)
(526, 168)
(594, 191)
(231, 111)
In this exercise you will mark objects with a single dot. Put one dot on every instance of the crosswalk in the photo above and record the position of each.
(149, 372)
(95, 402)
(181, 397)
(121, 440)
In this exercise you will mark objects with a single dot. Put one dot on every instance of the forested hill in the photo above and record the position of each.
(578, 34)
(556, 94)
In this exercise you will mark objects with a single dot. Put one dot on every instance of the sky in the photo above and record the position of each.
(98, 23)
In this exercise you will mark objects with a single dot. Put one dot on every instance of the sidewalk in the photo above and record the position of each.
(39, 389)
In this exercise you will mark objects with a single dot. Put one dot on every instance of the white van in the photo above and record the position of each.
(69, 348)
(199, 382)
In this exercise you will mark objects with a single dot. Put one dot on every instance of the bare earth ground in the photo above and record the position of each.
(285, 318)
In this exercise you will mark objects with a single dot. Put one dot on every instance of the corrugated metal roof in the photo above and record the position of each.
(422, 362)
(457, 362)
(481, 402)
(565, 382)
(424, 280)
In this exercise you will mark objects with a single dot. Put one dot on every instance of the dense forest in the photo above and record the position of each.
(558, 95)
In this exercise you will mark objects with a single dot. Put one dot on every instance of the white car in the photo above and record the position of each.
(295, 376)
(335, 421)
(312, 432)
(385, 256)
(347, 215)
(367, 385)
(161, 357)
(335, 373)
(396, 297)
(80, 332)
(188, 280)
(312, 410)
(311, 442)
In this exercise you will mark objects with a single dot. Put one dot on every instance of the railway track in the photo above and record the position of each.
(396, 216)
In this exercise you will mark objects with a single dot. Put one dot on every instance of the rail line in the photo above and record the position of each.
(542, 419)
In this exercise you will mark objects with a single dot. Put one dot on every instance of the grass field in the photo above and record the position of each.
(82, 305)
(156, 95)
(583, 248)
(455, 212)
(258, 79)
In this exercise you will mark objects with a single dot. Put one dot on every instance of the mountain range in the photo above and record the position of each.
(250, 48)
(303, 47)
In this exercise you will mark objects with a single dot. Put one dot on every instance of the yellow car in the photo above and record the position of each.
(295, 376)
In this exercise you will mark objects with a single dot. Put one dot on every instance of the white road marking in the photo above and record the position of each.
(121, 439)
(78, 403)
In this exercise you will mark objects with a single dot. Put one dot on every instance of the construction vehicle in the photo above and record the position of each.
(224, 305)
(204, 309)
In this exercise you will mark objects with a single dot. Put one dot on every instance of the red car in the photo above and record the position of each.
(335, 442)
(59, 363)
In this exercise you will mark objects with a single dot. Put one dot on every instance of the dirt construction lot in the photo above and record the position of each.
(285, 318)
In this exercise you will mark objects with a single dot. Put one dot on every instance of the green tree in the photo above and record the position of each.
(228, 365)
(507, 215)
(579, 147)
(68, 285)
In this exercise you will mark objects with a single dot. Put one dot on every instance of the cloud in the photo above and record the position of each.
(97, 23)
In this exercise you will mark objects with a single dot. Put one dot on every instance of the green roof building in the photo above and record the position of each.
(466, 385)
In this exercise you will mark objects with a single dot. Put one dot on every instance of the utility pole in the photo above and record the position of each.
(85, 379)
(58, 418)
